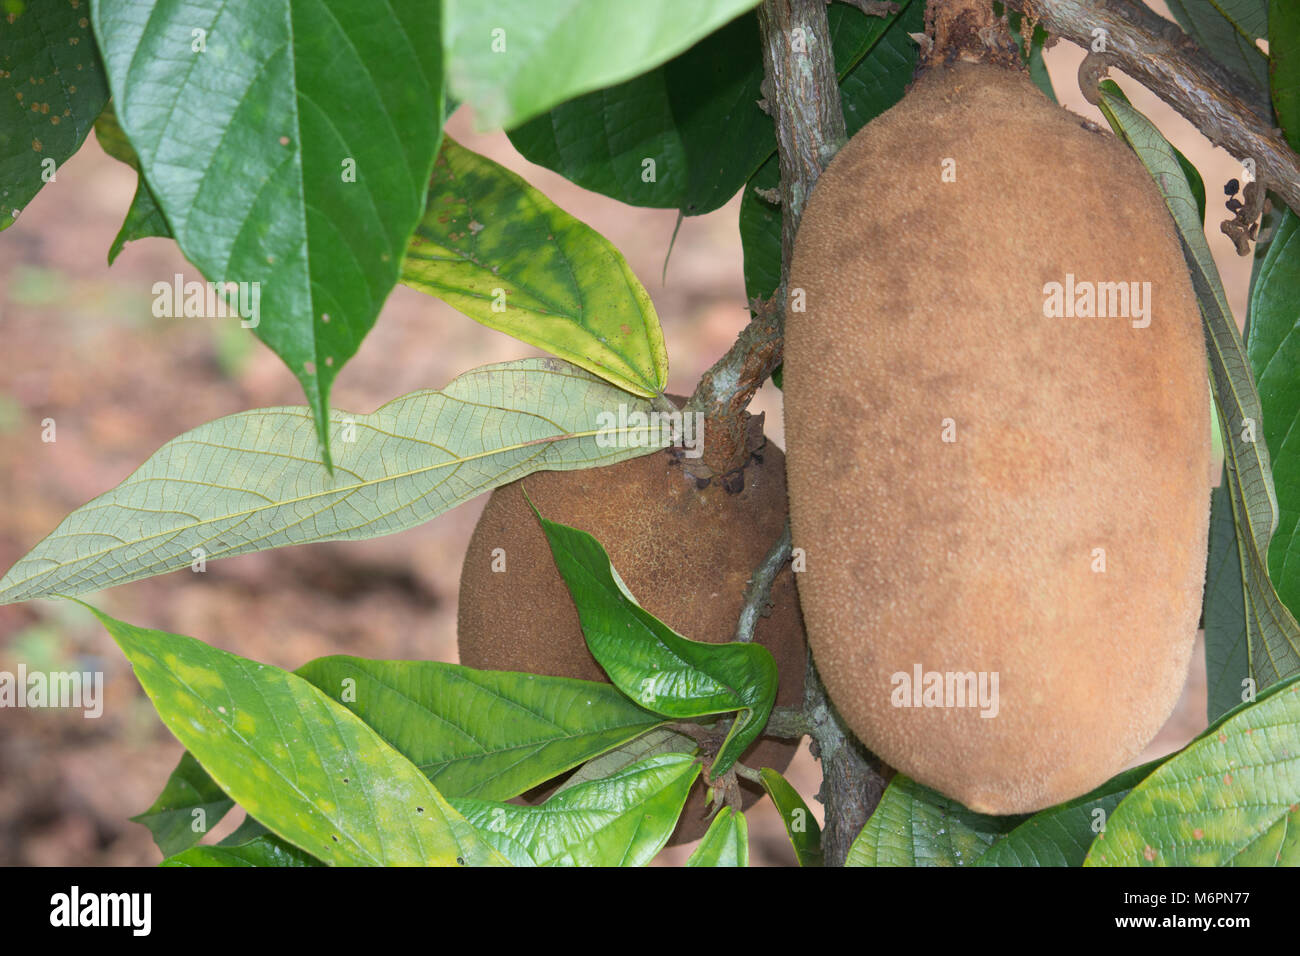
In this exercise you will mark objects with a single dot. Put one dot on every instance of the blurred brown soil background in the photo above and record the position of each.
(81, 347)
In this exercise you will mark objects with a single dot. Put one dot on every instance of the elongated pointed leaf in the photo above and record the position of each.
(52, 87)
(1227, 30)
(485, 734)
(800, 825)
(658, 668)
(1284, 66)
(1273, 345)
(661, 740)
(621, 820)
(725, 843)
(1274, 635)
(288, 144)
(190, 805)
(249, 482)
(1227, 644)
(143, 218)
(1193, 176)
(915, 826)
(498, 250)
(1061, 835)
(1231, 798)
(513, 59)
(300, 763)
(261, 851)
(871, 81)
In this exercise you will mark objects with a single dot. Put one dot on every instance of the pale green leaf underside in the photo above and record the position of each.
(1273, 634)
(661, 740)
(253, 481)
(621, 820)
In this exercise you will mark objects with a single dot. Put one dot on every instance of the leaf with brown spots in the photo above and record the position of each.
(1228, 799)
(498, 250)
(36, 74)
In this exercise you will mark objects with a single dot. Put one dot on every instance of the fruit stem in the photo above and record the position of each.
(1228, 111)
(758, 593)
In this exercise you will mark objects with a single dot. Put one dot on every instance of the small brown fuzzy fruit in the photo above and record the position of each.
(685, 553)
(989, 482)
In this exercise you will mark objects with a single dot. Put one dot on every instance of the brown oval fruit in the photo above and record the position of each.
(984, 486)
(685, 553)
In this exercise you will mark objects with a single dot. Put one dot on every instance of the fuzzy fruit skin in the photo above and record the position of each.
(686, 553)
(925, 302)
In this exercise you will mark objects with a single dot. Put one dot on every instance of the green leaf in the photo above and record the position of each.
(1190, 172)
(249, 118)
(144, 218)
(661, 740)
(262, 851)
(621, 820)
(1038, 68)
(246, 832)
(1227, 30)
(300, 763)
(249, 482)
(670, 116)
(1231, 798)
(1227, 657)
(875, 68)
(725, 843)
(1274, 635)
(800, 825)
(1273, 346)
(51, 89)
(498, 250)
(1033, 59)
(1284, 66)
(513, 59)
(484, 734)
(190, 800)
(658, 668)
(915, 826)
(1061, 835)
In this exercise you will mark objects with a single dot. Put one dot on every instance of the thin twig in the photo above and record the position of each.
(758, 593)
(1225, 108)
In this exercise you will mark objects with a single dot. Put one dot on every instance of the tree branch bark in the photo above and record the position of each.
(803, 97)
(1162, 58)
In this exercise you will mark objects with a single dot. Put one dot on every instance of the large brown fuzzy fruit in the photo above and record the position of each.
(980, 487)
(685, 553)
